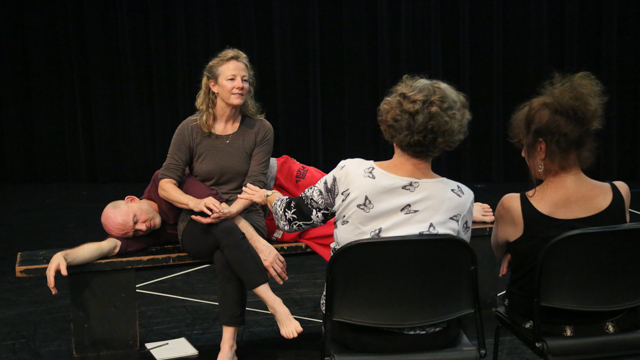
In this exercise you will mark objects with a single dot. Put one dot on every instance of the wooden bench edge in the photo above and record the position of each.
(177, 258)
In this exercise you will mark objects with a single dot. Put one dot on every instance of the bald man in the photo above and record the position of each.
(134, 224)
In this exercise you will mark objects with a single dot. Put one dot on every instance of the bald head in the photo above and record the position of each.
(130, 217)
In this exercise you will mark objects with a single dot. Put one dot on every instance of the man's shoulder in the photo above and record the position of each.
(166, 234)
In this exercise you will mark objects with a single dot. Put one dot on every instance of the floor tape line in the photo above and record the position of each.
(170, 276)
(215, 303)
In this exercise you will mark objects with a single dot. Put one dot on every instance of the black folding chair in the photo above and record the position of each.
(591, 269)
(399, 282)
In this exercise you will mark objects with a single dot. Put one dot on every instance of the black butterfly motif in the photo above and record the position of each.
(407, 210)
(432, 230)
(465, 227)
(366, 206)
(458, 192)
(368, 173)
(411, 186)
(455, 218)
(376, 233)
(344, 222)
(345, 194)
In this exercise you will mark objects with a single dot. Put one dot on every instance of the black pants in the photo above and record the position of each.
(235, 261)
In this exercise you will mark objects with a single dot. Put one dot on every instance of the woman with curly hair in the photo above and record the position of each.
(401, 196)
(556, 131)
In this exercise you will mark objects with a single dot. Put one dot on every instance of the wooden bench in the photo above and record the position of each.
(104, 312)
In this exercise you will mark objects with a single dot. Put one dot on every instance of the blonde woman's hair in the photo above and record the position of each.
(206, 99)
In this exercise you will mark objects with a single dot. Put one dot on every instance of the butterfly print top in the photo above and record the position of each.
(370, 202)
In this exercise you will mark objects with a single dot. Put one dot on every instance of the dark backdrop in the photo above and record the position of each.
(93, 90)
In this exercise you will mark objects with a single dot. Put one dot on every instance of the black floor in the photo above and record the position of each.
(35, 325)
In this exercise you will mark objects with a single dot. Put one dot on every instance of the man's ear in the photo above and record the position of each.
(542, 149)
(131, 199)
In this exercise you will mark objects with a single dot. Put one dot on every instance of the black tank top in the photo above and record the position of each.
(539, 229)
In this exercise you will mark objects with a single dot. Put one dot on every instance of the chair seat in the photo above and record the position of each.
(463, 350)
(588, 347)
(557, 347)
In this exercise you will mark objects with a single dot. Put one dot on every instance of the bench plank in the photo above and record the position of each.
(34, 263)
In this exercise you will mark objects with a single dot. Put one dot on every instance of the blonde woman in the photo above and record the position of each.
(227, 144)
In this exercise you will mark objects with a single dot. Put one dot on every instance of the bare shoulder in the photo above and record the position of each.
(624, 189)
(509, 204)
(509, 224)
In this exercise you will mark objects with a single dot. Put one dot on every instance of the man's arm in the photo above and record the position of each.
(271, 259)
(82, 254)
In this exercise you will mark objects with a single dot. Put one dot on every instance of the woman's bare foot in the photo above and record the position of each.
(228, 343)
(227, 354)
(482, 213)
(289, 327)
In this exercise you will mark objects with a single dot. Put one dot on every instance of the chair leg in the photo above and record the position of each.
(496, 342)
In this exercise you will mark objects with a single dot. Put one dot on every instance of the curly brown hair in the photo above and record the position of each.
(206, 99)
(566, 115)
(424, 117)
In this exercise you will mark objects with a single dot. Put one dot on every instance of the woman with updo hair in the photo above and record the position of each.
(400, 196)
(225, 145)
(556, 131)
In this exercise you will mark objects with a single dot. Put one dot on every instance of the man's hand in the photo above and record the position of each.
(57, 263)
(224, 214)
(82, 254)
(504, 268)
(273, 262)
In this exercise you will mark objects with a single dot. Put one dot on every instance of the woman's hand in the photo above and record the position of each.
(224, 214)
(254, 193)
(504, 268)
(209, 206)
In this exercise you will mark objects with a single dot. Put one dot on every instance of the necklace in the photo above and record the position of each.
(229, 139)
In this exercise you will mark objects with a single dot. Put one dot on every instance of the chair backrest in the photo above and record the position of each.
(591, 269)
(401, 281)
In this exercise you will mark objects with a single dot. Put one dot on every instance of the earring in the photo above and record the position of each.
(541, 167)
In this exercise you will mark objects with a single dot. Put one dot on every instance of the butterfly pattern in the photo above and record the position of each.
(368, 173)
(458, 191)
(345, 194)
(465, 227)
(366, 206)
(412, 186)
(407, 210)
(431, 230)
(376, 233)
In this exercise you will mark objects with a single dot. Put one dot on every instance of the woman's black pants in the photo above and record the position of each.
(237, 265)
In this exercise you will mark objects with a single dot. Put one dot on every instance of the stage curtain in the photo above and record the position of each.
(92, 91)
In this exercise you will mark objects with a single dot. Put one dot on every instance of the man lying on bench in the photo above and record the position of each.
(135, 224)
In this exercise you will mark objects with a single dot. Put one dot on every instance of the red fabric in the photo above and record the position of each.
(292, 178)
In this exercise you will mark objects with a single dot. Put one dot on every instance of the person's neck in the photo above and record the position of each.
(567, 177)
(152, 204)
(226, 116)
(404, 165)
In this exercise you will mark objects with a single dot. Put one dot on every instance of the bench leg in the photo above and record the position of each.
(104, 312)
